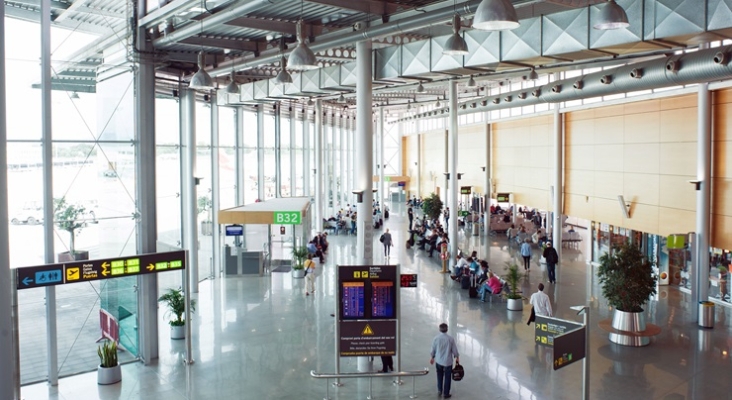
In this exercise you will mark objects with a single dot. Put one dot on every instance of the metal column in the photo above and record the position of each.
(452, 187)
(260, 152)
(306, 171)
(190, 207)
(239, 142)
(9, 370)
(700, 292)
(145, 171)
(380, 136)
(327, 164)
(419, 162)
(47, 157)
(364, 153)
(293, 169)
(278, 149)
(319, 196)
(558, 184)
(342, 160)
(488, 183)
(352, 157)
(215, 186)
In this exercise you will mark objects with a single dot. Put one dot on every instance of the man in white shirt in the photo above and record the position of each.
(541, 303)
(459, 266)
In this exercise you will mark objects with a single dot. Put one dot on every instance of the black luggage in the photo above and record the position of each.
(473, 291)
(465, 282)
(386, 214)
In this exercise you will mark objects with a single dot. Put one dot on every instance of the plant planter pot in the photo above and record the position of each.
(108, 376)
(206, 228)
(629, 322)
(515, 304)
(78, 255)
(177, 332)
(298, 273)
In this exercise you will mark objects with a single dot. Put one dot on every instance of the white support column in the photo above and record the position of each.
(380, 136)
(306, 149)
(260, 152)
(190, 197)
(239, 140)
(215, 186)
(293, 157)
(700, 287)
(47, 157)
(342, 161)
(278, 149)
(9, 371)
(452, 187)
(327, 165)
(319, 171)
(488, 183)
(351, 158)
(364, 152)
(558, 184)
(334, 164)
(419, 162)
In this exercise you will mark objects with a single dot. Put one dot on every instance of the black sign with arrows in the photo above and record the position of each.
(92, 270)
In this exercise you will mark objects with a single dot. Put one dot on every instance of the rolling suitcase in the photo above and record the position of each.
(473, 291)
(465, 282)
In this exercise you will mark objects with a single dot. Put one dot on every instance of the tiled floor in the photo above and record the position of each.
(259, 338)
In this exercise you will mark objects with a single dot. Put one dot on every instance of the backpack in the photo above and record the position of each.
(381, 239)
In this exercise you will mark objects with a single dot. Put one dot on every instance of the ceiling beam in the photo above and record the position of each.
(287, 28)
(91, 11)
(55, 5)
(364, 6)
(241, 45)
(73, 7)
(169, 10)
(34, 16)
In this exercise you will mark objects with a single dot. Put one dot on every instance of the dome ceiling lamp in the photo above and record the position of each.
(302, 58)
(455, 45)
(495, 15)
(612, 16)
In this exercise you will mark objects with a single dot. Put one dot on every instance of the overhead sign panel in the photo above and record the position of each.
(287, 217)
(569, 348)
(547, 328)
(367, 338)
(92, 270)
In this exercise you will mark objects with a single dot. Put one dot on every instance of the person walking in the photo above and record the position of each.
(387, 243)
(309, 275)
(387, 364)
(410, 214)
(540, 302)
(552, 258)
(446, 214)
(443, 351)
(526, 253)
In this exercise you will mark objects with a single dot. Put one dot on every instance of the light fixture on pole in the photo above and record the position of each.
(455, 44)
(533, 75)
(232, 87)
(201, 80)
(471, 81)
(495, 15)
(302, 58)
(283, 77)
(612, 16)
(420, 88)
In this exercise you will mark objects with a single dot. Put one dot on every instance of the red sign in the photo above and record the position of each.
(408, 280)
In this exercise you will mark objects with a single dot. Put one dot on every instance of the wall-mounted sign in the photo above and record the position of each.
(547, 328)
(503, 197)
(287, 217)
(465, 189)
(408, 280)
(92, 270)
(367, 338)
(569, 348)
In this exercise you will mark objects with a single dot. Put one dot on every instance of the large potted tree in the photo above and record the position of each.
(175, 301)
(205, 205)
(515, 301)
(432, 206)
(71, 218)
(299, 254)
(109, 371)
(627, 281)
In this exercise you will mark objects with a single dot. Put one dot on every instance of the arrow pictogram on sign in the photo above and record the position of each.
(105, 265)
(150, 267)
(367, 331)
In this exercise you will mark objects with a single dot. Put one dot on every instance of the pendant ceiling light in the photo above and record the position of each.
(310, 102)
(495, 15)
(455, 45)
(74, 96)
(283, 77)
(533, 75)
(201, 80)
(420, 88)
(232, 87)
(302, 58)
(612, 16)
(438, 104)
(471, 81)
(341, 99)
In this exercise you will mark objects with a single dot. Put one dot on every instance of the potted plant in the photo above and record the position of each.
(432, 206)
(109, 371)
(175, 301)
(627, 281)
(299, 254)
(205, 205)
(71, 218)
(515, 301)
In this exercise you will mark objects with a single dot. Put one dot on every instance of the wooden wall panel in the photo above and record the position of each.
(640, 188)
(608, 157)
(672, 220)
(675, 159)
(722, 190)
(675, 191)
(609, 130)
(607, 185)
(641, 158)
(641, 128)
(678, 125)
(721, 231)
(471, 155)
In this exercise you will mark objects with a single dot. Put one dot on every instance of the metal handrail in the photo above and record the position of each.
(370, 375)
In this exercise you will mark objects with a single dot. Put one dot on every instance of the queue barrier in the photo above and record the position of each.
(370, 375)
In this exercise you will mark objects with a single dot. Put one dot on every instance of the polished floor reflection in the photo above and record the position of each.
(259, 338)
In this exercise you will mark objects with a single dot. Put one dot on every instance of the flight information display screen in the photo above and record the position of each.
(382, 300)
(353, 302)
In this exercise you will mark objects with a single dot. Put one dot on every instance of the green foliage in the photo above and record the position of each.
(175, 301)
(70, 218)
(512, 277)
(627, 278)
(432, 206)
(299, 254)
(107, 354)
(204, 204)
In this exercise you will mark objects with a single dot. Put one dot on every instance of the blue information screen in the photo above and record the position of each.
(353, 302)
(382, 300)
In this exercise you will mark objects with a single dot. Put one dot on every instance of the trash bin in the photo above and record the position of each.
(706, 314)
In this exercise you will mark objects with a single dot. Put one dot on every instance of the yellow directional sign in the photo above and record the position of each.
(150, 267)
(367, 331)
(72, 274)
(105, 265)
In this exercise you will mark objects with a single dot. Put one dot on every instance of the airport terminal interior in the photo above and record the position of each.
(168, 163)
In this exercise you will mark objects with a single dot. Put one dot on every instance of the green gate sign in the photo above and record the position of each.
(287, 217)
